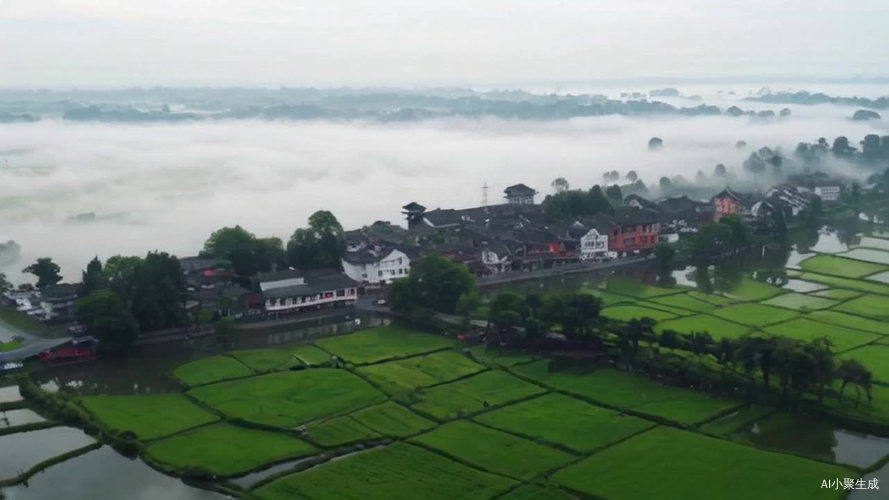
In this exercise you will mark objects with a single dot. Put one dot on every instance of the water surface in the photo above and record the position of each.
(105, 474)
(12, 418)
(23, 450)
(815, 437)
(10, 394)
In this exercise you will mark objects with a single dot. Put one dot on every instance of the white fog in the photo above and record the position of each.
(168, 185)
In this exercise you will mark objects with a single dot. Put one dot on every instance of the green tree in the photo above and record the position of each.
(467, 303)
(247, 253)
(664, 254)
(577, 313)
(236, 245)
(570, 204)
(92, 278)
(852, 371)
(613, 193)
(5, 285)
(507, 310)
(629, 338)
(320, 245)
(821, 352)
(158, 292)
(46, 270)
(108, 318)
(841, 147)
(435, 282)
(560, 184)
(120, 274)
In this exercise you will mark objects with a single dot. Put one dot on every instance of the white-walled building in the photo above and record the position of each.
(593, 245)
(828, 193)
(379, 266)
(293, 290)
(592, 242)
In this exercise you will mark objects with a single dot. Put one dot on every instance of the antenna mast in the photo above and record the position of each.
(485, 194)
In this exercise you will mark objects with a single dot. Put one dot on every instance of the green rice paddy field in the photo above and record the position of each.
(411, 415)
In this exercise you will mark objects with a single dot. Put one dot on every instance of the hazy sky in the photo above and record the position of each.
(108, 43)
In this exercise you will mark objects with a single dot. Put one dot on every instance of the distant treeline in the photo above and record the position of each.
(804, 97)
(148, 105)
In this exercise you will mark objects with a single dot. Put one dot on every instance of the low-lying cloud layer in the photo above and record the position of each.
(167, 186)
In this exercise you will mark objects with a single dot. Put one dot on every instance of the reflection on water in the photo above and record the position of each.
(104, 474)
(881, 243)
(148, 370)
(815, 437)
(803, 286)
(684, 277)
(251, 479)
(23, 450)
(882, 475)
(10, 394)
(829, 242)
(12, 418)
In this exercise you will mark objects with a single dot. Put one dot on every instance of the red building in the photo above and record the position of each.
(633, 230)
(728, 202)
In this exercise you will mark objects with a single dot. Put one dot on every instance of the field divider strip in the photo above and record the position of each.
(24, 476)
(772, 412)
(442, 420)
(810, 318)
(153, 440)
(599, 449)
(629, 411)
(33, 426)
(170, 469)
(536, 439)
(398, 358)
(231, 354)
(458, 379)
(320, 459)
(717, 415)
(461, 461)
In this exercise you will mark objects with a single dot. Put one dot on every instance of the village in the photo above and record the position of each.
(508, 239)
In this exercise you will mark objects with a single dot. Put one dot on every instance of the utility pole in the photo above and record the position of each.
(485, 194)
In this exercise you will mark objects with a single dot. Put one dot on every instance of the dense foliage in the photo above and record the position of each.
(248, 254)
(320, 245)
(573, 203)
(46, 271)
(108, 318)
(435, 282)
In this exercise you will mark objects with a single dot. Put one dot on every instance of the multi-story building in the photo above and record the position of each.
(379, 265)
(633, 230)
(728, 202)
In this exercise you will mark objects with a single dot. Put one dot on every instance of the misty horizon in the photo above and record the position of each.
(168, 185)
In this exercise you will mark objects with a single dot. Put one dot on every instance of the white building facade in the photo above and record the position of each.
(377, 269)
(828, 193)
(292, 291)
(593, 245)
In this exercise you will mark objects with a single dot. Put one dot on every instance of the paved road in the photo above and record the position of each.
(31, 347)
